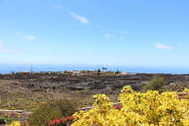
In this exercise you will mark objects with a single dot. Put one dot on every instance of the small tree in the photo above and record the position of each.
(117, 72)
(98, 72)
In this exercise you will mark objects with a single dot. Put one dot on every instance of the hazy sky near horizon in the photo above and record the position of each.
(151, 33)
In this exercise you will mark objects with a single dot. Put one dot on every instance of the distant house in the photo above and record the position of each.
(127, 73)
(75, 72)
(124, 73)
(24, 73)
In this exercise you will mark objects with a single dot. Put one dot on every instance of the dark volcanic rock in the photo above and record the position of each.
(87, 82)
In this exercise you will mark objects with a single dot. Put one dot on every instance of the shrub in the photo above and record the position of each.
(52, 110)
(156, 83)
(138, 109)
(2, 121)
(5, 120)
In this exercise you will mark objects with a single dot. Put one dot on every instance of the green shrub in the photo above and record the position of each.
(5, 120)
(156, 83)
(52, 110)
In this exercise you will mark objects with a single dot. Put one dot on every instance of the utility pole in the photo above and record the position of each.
(31, 69)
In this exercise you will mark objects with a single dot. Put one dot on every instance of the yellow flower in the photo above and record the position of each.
(15, 123)
(138, 109)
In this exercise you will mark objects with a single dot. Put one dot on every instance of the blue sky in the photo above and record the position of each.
(114, 32)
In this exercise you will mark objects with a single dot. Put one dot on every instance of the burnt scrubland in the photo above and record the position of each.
(53, 95)
(28, 90)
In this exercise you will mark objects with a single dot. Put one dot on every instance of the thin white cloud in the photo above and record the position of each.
(30, 37)
(163, 46)
(79, 18)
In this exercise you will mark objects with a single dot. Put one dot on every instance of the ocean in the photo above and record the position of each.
(9, 68)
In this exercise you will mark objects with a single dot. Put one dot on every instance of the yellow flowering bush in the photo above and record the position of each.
(138, 109)
(15, 123)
